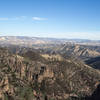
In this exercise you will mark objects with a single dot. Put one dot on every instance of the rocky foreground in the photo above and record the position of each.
(30, 76)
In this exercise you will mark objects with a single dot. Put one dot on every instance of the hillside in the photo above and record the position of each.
(29, 77)
(82, 52)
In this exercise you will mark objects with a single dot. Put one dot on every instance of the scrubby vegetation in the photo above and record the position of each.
(29, 75)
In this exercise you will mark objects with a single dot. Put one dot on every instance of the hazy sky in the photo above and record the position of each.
(50, 18)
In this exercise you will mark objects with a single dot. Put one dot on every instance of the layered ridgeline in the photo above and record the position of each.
(30, 75)
(30, 41)
(82, 52)
(79, 48)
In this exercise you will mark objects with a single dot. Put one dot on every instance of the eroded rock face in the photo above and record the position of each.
(23, 78)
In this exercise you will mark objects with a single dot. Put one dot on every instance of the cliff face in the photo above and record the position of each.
(29, 76)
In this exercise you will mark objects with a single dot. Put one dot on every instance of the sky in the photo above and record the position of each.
(50, 18)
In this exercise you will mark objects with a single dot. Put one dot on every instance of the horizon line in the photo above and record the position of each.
(49, 37)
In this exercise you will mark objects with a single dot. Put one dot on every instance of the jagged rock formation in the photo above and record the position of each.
(29, 76)
(79, 51)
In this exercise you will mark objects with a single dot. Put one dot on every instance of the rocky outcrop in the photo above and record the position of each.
(23, 77)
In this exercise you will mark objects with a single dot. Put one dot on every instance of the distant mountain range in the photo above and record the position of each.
(29, 41)
(78, 48)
